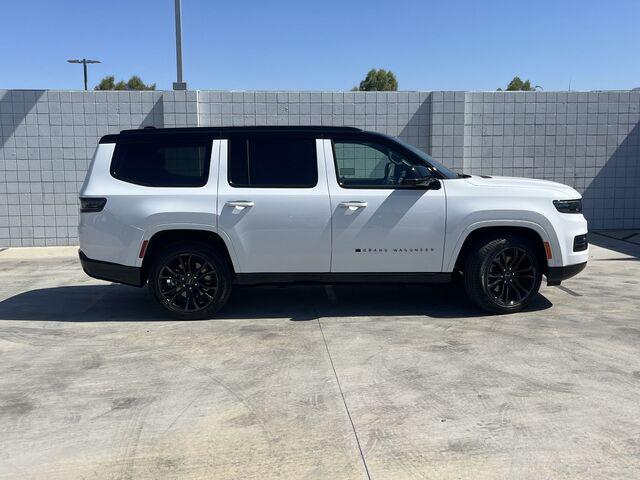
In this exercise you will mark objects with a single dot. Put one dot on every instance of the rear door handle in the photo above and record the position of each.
(353, 205)
(241, 203)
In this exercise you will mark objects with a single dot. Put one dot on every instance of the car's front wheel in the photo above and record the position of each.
(502, 275)
(190, 281)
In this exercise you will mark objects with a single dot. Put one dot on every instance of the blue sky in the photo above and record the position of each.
(326, 45)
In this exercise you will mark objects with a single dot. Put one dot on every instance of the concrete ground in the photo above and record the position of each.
(344, 382)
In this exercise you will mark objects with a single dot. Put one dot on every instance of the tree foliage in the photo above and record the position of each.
(517, 85)
(134, 83)
(380, 80)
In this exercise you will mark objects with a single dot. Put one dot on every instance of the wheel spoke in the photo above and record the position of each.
(522, 270)
(186, 303)
(525, 291)
(180, 290)
(516, 288)
(523, 256)
(205, 293)
(170, 270)
(182, 265)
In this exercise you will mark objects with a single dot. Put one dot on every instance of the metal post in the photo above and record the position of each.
(84, 63)
(179, 84)
(84, 67)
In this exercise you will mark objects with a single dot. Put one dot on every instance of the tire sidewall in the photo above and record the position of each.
(477, 266)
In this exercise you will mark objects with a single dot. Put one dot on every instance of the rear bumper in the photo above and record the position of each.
(555, 275)
(112, 272)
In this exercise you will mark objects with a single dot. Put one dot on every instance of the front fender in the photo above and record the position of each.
(543, 228)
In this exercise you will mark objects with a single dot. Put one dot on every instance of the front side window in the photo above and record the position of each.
(273, 162)
(163, 163)
(370, 165)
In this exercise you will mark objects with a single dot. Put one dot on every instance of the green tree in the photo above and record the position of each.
(380, 80)
(107, 83)
(134, 83)
(517, 85)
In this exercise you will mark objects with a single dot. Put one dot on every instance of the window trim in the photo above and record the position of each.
(373, 187)
(207, 142)
(250, 137)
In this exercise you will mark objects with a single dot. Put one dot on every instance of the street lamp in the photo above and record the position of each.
(84, 62)
(179, 84)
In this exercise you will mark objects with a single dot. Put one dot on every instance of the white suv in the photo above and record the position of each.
(192, 211)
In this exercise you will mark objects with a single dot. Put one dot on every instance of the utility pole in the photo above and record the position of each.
(84, 62)
(179, 84)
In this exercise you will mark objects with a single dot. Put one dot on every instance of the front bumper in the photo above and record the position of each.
(555, 275)
(112, 272)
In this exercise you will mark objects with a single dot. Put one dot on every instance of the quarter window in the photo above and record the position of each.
(273, 162)
(163, 163)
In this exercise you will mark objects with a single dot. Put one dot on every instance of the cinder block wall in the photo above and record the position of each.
(588, 140)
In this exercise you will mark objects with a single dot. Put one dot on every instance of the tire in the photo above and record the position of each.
(502, 274)
(206, 281)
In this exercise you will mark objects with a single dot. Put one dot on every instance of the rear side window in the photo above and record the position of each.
(163, 163)
(273, 162)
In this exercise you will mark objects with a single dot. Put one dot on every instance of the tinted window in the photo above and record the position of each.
(273, 162)
(364, 164)
(163, 163)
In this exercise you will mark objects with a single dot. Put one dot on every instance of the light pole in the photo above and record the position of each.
(179, 84)
(84, 62)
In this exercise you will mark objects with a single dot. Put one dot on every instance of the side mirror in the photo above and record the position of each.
(419, 176)
(427, 183)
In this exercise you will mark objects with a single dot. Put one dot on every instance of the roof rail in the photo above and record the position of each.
(249, 128)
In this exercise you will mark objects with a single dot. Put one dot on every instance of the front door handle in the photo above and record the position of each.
(241, 203)
(353, 205)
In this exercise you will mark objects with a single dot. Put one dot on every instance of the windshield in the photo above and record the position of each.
(441, 168)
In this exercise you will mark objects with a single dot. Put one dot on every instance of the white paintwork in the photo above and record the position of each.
(133, 213)
(478, 202)
(395, 230)
(277, 230)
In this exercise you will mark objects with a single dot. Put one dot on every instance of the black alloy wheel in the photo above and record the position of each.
(187, 283)
(502, 274)
(511, 276)
(191, 281)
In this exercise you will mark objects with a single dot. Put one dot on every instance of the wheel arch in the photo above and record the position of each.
(531, 230)
(165, 237)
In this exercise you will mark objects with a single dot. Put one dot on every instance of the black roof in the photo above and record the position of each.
(228, 130)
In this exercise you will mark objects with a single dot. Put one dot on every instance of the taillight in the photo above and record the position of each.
(92, 204)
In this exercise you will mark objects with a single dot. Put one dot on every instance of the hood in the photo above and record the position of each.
(558, 189)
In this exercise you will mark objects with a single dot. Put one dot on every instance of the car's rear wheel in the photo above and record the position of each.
(190, 281)
(502, 275)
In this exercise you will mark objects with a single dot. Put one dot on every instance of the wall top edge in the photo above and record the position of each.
(316, 91)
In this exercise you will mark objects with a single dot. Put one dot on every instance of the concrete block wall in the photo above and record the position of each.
(46, 143)
(589, 140)
(404, 114)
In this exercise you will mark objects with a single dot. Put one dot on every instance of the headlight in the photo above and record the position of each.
(568, 206)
